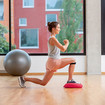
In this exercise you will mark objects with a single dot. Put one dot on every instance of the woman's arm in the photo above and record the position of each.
(53, 41)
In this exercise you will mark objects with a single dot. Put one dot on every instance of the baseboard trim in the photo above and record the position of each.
(57, 73)
(4, 74)
(103, 73)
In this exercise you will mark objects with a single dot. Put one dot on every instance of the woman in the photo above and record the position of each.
(54, 61)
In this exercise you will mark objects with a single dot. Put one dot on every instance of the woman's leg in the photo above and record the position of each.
(48, 75)
(71, 71)
(65, 62)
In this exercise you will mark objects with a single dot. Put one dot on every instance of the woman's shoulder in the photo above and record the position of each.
(52, 37)
(52, 40)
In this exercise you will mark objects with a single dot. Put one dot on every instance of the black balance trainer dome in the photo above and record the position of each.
(17, 62)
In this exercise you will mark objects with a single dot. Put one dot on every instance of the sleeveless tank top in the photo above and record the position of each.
(53, 51)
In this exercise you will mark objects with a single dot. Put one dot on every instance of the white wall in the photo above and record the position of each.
(38, 64)
(93, 36)
(1, 64)
(103, 63)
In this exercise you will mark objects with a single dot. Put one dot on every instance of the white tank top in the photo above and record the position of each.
(53, 51)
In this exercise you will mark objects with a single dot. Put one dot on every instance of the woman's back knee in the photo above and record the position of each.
(43, 83)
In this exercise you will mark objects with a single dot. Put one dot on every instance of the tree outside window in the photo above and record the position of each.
(70, 21)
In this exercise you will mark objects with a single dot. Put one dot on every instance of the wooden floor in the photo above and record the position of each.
(92, 93)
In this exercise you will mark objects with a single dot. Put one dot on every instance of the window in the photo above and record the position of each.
(50, 18)
(54, 5)
(1, 35)
(22, 22)
(103, 27)
(1, 10)
(80, 29)
(4, 27)
(28, 3)
(29, 38)
(27, 25)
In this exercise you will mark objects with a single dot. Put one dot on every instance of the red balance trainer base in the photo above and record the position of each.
(73, 85)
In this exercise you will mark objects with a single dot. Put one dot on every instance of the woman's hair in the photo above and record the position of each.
(52, 25)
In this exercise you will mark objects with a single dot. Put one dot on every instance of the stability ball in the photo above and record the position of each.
(17, 62)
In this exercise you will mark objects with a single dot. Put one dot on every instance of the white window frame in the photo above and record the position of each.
(28, 6)
(28, 47)
(46, 18)
(51, 9)
(79, 32)
(22, 24)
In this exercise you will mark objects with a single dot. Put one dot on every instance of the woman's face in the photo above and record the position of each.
(57, 29)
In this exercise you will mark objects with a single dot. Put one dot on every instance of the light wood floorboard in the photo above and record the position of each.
(92, 93)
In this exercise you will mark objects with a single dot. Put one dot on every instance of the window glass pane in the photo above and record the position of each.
(71, 22)
(54, 4)
(4, 26)
(103, 27)
(23, 21)
(29, 38)
(33, 37)
(28, 2)
(1, 10)
(51, 17)
(1, 35)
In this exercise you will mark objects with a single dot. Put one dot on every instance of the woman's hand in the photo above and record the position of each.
(66, 41)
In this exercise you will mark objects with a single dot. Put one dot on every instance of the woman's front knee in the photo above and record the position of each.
(73, 60)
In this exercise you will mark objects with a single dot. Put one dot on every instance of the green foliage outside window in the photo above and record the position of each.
(4, 45)
(70, 22)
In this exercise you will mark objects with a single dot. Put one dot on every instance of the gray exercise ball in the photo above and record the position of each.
(17, 62)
